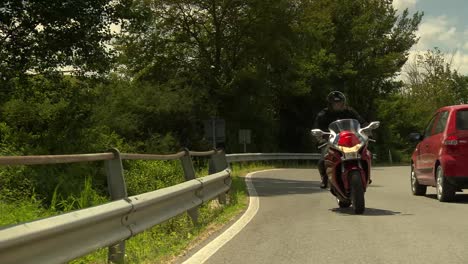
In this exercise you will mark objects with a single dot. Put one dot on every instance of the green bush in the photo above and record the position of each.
(145, 176)
(14, 212)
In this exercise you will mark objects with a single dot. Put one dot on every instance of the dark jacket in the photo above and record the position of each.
(326, 116)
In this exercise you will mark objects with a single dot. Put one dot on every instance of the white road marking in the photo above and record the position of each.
(206, 252)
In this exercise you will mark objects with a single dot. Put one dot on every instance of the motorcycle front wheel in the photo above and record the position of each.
(357, 192)
(343, 204)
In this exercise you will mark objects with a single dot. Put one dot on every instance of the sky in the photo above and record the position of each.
(444, 25)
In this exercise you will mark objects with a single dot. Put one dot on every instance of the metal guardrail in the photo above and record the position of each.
(65, 237)
(62, 238)
(126, 156)
(274, 156)
(271, 156)
(68, 236)
(54, 159)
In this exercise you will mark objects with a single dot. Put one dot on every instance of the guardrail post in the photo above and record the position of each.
(189, 174)
(218, 163)
(117, 190)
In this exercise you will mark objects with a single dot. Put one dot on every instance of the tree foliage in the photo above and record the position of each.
(264, 65)
(38, 36)
(430, 82)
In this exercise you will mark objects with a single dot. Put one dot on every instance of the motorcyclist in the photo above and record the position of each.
(337, 109)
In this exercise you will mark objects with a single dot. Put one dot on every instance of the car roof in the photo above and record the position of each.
(453, 107)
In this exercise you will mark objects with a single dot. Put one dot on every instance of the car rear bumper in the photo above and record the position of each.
(456, 170)
(455, 167)
(460, 182)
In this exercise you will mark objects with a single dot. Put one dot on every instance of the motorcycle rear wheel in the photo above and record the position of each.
(357, 192)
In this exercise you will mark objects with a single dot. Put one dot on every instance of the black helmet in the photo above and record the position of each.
(336, 96)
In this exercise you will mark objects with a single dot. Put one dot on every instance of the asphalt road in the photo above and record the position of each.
(297, 222)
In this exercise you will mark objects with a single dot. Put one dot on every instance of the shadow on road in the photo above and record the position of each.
(367, 212)
(459, 198)
(273, 187)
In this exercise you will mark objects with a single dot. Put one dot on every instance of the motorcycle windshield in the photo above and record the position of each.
(351, 125)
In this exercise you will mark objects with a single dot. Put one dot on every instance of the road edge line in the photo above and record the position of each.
(211, 248)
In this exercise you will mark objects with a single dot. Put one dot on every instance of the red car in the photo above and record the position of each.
(441, 156)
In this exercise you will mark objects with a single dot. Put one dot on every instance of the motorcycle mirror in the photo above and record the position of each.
(374, 125)
(317, 133)
(371, 126)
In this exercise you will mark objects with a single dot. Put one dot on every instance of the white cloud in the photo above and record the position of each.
(465, 46)
(447, 31)
(437, 31)
(442, 32)
(401, 5)
(460, 62)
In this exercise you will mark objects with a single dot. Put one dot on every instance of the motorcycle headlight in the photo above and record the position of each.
(352, 152)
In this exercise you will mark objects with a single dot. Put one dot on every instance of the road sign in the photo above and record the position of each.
(244, 136)
(215, 130)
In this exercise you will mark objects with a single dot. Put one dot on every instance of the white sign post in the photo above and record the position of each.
(244, 137)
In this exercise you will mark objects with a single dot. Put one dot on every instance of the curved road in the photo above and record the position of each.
(297, 222)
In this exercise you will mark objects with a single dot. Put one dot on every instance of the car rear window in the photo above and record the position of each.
(440, 126)
(462, 119)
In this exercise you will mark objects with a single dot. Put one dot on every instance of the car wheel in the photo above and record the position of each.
(416, 188)
(445, 191)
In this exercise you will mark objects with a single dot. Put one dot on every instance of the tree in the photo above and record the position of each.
(38, 36)
(431, 83)
(153, 118)
(371, 44)
(42, 110)
(230, 53)
(357, 47)
(267, 65)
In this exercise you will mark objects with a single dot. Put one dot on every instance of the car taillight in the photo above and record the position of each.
(348, 139)
(451, 141)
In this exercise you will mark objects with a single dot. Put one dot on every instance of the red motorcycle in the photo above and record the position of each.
(348, 161)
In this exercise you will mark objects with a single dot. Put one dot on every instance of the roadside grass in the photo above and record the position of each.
(21, 211)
